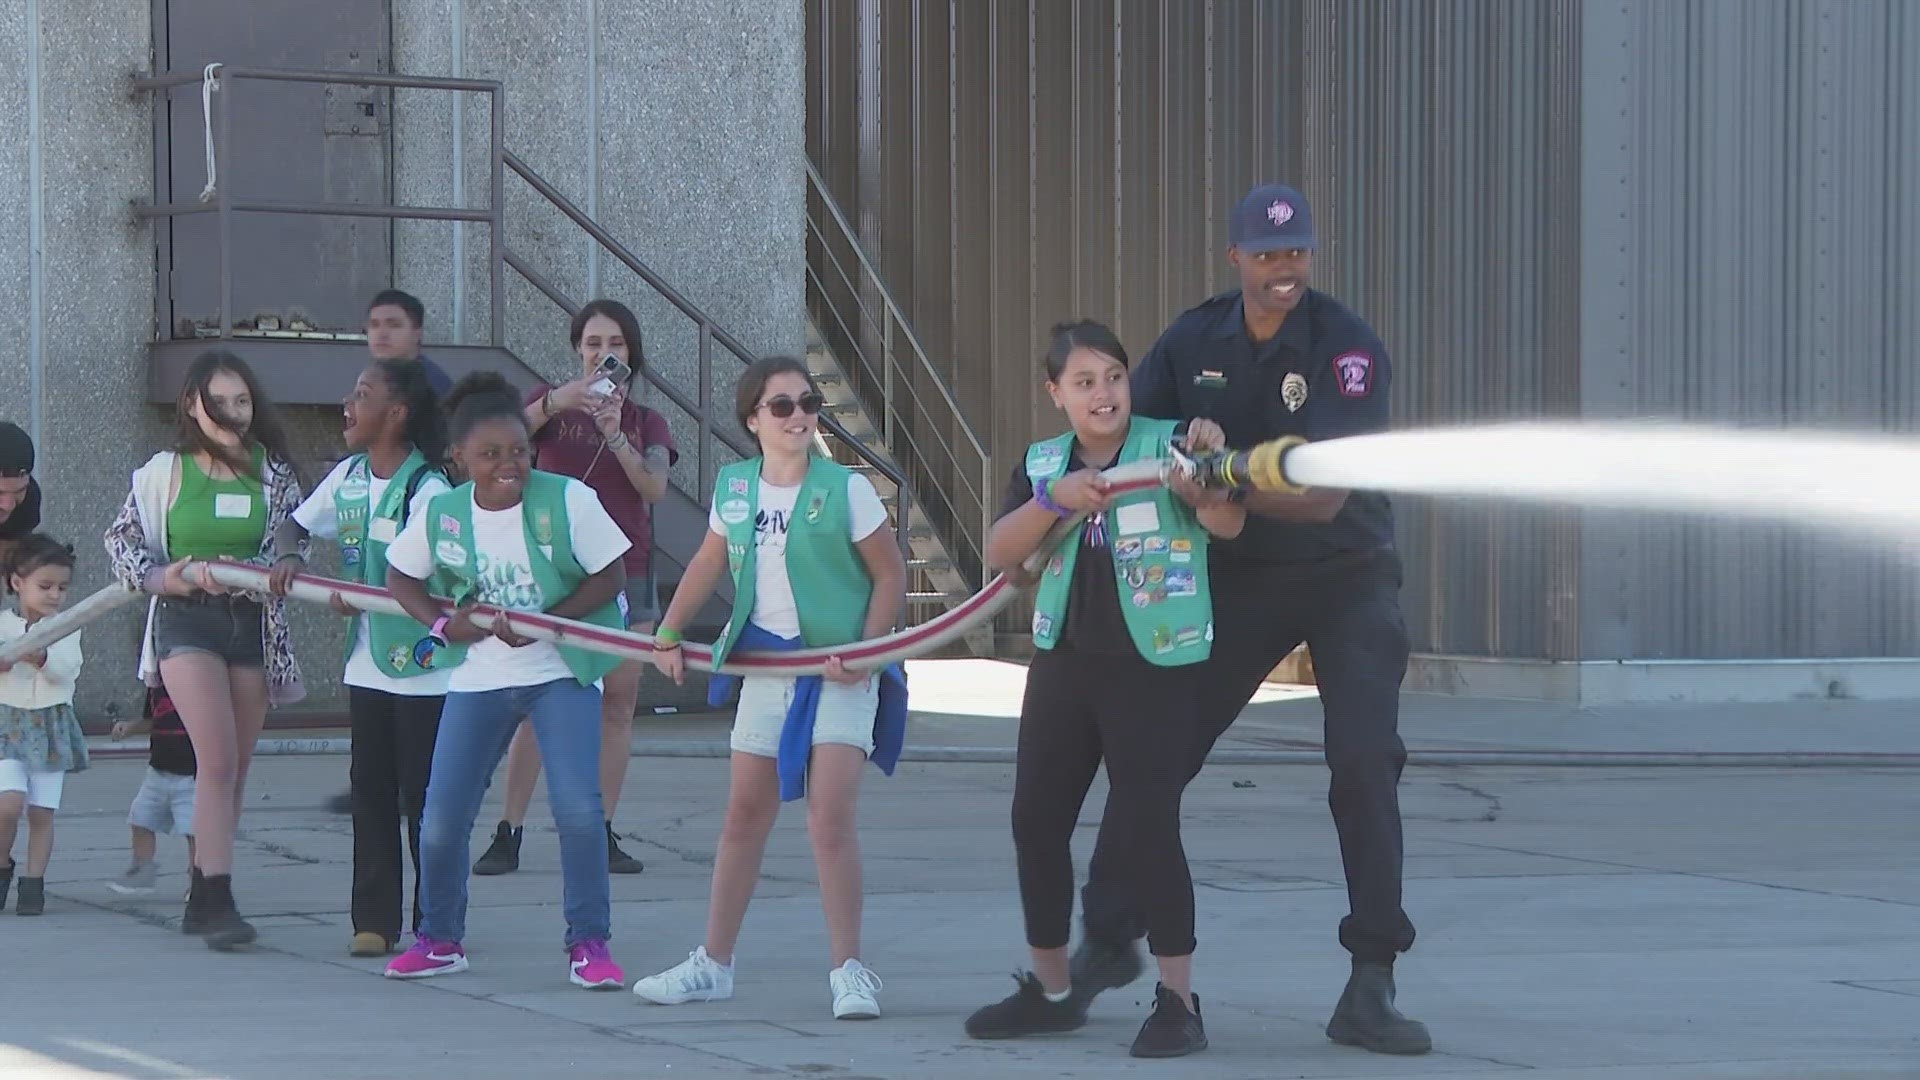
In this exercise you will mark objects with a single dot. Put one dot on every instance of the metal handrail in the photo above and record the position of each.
(920, 367)
(709, 330)
(893, 307)
(501, 257)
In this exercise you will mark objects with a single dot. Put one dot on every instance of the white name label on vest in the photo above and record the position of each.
(1135, 518)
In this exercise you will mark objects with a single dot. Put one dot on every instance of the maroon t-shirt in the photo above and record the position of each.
(567, 445)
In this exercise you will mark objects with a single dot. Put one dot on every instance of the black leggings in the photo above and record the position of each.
(1079, 708)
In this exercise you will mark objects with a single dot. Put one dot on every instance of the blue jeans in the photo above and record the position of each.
(474, 732)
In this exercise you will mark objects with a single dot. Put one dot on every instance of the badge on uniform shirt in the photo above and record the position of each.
(1042, 624)
(1136, 577)
(1162, 639)
(1182, 551)
(1156, 545)
(1056, 564)
(1210, 380)
(1356, 374)
(450, 553)
(1181, 583)
(1044, 460)
(450, 525)
(1293, 390)
(349, 555)
(543, 527)
(398, 656)
(737, 486)
(733, 511)
(816, 502)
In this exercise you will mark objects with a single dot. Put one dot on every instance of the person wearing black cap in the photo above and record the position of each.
(19, 492)
(1272, 358)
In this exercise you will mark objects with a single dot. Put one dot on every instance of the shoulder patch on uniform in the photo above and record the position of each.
(1355, 371)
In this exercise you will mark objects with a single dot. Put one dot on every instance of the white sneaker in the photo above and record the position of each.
(855, 991)
(697, 978)
(138, 880)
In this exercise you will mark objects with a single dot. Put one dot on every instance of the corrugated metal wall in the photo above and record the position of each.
(1741, 250)
(1758, 164)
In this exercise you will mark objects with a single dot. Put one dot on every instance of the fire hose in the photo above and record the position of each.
(870, 655)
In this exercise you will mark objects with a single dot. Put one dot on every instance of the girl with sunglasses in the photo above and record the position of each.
(814, 564)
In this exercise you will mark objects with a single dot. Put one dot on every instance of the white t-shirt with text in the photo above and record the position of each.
(320, 517)
(505, 579)
(774, 608)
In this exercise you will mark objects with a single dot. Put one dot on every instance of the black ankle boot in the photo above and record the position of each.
(194, 919)
(33, 897)
(224, 929)
(1365, 1016)
(6, 882)
(503, 855)
(619, 862)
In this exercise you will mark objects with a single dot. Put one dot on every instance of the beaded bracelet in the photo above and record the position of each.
(1043, 494)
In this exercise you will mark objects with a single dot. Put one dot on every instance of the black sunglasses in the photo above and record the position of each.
(782, 406)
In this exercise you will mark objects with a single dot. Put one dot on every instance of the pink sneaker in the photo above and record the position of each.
(591, 966)
(428, 958)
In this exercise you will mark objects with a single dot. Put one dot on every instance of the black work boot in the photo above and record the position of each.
(503, 855)
(1173, 1030)
(619, 862)
(224, 929)
(1365, 1016)
(6, 882)
(194, 918)
(1027, 1011)
(33, 897)
(1102, 963)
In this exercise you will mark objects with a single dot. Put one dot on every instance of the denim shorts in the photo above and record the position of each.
(228, 627)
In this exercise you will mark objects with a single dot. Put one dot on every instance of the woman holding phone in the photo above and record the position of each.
(591, 429)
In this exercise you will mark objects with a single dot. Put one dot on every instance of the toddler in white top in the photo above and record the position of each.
(40, 737)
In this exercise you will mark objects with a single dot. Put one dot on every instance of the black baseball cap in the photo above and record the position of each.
(16, 450)
(1271, 217)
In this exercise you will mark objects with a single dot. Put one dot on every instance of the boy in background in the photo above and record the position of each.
(164, 803)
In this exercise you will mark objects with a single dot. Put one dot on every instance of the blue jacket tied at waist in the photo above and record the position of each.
(796, 737)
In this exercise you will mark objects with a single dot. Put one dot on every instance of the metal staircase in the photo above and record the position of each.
(887, 393)
(940, 537)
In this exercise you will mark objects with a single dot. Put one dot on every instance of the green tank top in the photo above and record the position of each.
(210, 518)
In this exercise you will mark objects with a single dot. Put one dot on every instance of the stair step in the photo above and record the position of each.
(827, 378)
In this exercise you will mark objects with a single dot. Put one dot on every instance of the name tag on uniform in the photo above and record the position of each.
(382, 530)
(232, 505)
(1140, 517)
(1210, 380)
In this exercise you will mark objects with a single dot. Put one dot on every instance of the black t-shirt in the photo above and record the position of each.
(169, 749)
(26, 517)
(1093, 623)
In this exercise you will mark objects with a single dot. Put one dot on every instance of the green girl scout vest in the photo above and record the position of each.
(831, 585)
(365, 533)
(1159, 557)
(557, 572)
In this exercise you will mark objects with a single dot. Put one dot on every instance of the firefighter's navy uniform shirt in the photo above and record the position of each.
(1324, 375)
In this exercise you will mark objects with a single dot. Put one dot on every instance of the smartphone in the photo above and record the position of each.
(612, 374)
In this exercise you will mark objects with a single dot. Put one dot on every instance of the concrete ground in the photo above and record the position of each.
(1575, 922)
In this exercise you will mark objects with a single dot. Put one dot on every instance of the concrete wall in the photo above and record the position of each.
(76, 282)
(677, 126)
